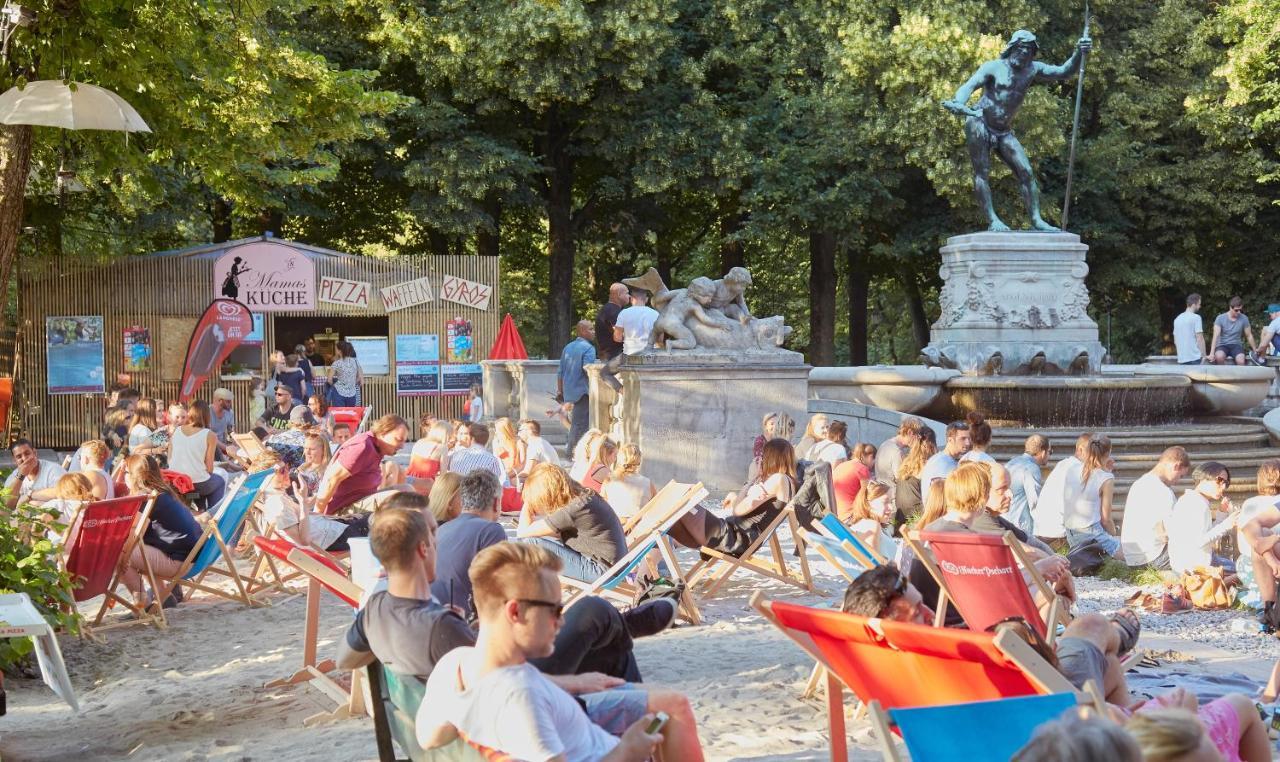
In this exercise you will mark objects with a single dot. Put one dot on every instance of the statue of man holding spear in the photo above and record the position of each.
(989, 125)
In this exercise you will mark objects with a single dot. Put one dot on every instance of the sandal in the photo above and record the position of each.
(1129, 629)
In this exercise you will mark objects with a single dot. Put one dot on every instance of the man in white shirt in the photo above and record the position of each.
(948, 458)
(1191, 528)
(635, 324)
(1188, 333)
(1051, 507)
(471, 454)
(30, 474)
(492, 695)
(536, 449)
(1148, 510)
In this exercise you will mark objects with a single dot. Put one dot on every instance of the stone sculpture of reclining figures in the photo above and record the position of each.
(709, 314)
(672, 329)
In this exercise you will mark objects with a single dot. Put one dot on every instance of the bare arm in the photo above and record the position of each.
(1257, 531)
(1217, 333)
(702, 316)
(1107, 488)
(1068, 67)
(337, 475)
(349, 658)
(210, 451)
(959, 104)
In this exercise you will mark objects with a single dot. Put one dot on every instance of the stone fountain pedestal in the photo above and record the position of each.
(695, 413)
(1014, 303)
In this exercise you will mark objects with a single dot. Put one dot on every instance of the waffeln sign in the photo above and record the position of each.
(406, 294)
(470, 293)
(352, 293)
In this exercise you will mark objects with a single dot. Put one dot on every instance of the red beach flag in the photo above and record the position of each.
(221, 329)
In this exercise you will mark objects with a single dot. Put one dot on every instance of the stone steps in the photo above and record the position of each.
(1240, 444)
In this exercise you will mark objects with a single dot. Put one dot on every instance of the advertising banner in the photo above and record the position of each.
(459, 341)
(137, 348)
(222, 328)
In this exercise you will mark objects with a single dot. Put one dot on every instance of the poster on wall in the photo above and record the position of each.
(266, 276)
(417, 364)
(137, 349)
(458, 379)
(459, 341)
(76, 363)
(371, 353)
(256, 336)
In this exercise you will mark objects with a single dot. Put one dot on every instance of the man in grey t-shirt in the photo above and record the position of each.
(1230, 329)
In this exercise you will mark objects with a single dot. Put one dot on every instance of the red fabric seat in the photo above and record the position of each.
(95, 542)
(279, 548)
(983, 579)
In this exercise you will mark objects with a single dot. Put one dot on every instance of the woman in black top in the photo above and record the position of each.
(172, 532)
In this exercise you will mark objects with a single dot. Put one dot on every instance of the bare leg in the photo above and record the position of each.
(1272, 690)
(1012, 153)
(680, 736)
(980, 157)
(1099, 630)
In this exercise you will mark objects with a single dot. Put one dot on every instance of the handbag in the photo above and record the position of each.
(1207, 589)
(1087, 558)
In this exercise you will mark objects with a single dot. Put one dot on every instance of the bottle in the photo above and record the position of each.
(1245, 627)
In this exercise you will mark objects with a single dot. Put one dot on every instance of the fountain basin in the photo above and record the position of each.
(1219, 389)
(904, 388)
(1106, 400)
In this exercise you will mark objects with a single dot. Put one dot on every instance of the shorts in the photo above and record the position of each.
(1230, 350)
(1078, 537)
(616, 709)
(1081, 661)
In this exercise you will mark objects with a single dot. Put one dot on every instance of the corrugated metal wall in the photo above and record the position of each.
(143, 290)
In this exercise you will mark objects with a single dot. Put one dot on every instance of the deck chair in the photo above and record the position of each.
(355, 417)
(776, 568)
(212, 552)
(321, 575)
(905, 665)
(848, 565)
(249, 444)
(836, 530)
(979, 574)
(99, 542)
(395, 708)
(963, 732)
(648, 531)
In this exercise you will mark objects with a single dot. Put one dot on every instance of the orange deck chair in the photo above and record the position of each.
(981, 574)
(355, 417)
(909, 665)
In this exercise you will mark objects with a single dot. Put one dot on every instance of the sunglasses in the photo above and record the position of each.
(556, 607)
(1224, 481)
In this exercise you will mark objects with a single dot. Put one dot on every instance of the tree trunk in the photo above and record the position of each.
(220, 218)
(438, 241)
(859, 287)
(488, 240)
(915, 308)
(732, 252)
(270, 221)
(559, 168)
(665, 256)
(822, 298)
(15, 164)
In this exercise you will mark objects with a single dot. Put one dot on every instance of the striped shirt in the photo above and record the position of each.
(464, 460)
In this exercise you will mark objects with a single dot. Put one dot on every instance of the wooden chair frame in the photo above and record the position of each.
(775, 569)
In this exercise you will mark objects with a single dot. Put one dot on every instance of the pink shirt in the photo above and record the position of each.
(360, 456)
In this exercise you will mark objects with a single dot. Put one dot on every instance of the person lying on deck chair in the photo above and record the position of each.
(409, 632)
(517, 591)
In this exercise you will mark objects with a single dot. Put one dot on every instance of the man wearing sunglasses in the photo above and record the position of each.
(1191, 528)
(1230, 330)
(881, 592)
(494, 695)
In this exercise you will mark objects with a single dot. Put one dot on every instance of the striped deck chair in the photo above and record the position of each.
(836, 530)
(963, 732)
(646, 532)
(395, 709)
(99, 542)
(214, 557)
(903, 665)
(322, 574)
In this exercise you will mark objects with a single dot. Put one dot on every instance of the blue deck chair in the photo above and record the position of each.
(981, 731)
(836, 530)
(848, 564)
(395, 709)
(215, 557)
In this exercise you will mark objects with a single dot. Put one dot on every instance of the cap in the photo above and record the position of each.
(1273, 307)
(1020, 37)
(302, 414)
(223, 394)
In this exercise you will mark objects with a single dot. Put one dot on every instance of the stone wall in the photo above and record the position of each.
(867, 423)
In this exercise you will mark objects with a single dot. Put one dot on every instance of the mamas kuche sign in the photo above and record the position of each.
(266, 277)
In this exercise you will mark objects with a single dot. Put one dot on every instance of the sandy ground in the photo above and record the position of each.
(194, 691)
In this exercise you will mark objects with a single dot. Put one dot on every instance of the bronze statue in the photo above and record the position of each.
(989, 126)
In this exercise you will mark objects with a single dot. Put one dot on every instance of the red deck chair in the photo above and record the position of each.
(909, 665)
(980, 574)
(355, 417)
(99, 542)
(322, 573)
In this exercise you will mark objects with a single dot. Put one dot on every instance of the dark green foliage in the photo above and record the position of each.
(29, 564)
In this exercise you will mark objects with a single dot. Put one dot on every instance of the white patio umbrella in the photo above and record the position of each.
(73, 106)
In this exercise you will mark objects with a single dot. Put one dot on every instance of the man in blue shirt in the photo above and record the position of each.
(1026, 474)
(571, 383)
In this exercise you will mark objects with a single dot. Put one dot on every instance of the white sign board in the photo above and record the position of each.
(352, 293)
(470, 293)
(372, 354)
(406, 294)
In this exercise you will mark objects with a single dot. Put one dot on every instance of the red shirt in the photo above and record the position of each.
(362, 459)
(847, 479)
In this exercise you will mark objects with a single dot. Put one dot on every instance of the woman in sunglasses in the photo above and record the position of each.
(1192, 529)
